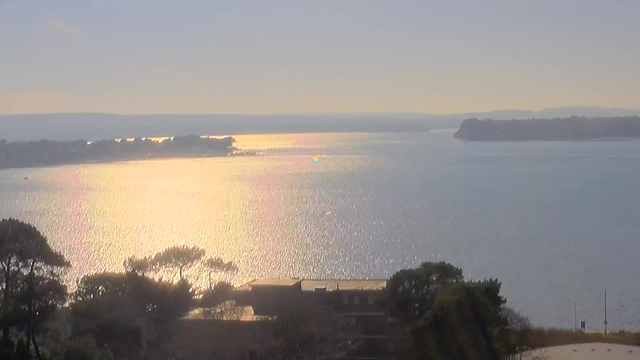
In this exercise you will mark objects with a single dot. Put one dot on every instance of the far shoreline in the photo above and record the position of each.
(142, 159)
(231, 152)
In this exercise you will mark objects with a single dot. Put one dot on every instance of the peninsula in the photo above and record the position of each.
(47, 153)
(564, 129)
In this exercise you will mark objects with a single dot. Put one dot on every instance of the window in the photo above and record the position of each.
(356, 299)
(370, 299)
(345, 299)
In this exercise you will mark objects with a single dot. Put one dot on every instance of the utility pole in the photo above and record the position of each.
(575, 316)
(605, 311)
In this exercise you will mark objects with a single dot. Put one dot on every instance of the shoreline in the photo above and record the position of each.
(133, 159)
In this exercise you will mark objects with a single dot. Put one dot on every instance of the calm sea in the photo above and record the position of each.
(556, 222)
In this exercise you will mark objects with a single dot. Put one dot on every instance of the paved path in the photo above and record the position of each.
(593, 351)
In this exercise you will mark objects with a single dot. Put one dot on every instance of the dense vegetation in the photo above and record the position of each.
(135, 314)
(111, 315)
(573, 128)
(446, 317)
(44, 152)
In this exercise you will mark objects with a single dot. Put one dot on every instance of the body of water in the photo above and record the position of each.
(556, 222)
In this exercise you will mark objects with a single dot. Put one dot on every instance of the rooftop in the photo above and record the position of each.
(326, 284)
(350, 284)
(274, 282)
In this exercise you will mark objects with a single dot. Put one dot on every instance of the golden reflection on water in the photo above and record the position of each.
(299, 141)
(256, 211)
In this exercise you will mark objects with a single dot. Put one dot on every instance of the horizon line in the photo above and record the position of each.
(317, 113)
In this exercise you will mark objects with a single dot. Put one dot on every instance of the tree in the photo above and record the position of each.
(31, 270)
(214, 265)
(178, 258)
(465, 322)
(43, 291)
(513, 337)
(220, 293)
(130, 313)
(446, 317)
(411, 292)
(140, 266)
(13, 233)
(103, 309)
(40, 298)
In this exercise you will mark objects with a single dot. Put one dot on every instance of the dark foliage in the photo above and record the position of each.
(83, 348)
(177, 258)
(45, 152)
(31, 287)
(22, 350)
(444, 316)
(216, 295)
(129, 313)
(573, 128)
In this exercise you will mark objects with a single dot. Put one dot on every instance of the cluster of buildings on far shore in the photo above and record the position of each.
(269, 318)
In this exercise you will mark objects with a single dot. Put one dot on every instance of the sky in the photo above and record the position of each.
(259, 57)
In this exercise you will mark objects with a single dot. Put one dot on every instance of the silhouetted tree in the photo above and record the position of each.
(42, 290)
(215, 265)
(13, 234)
(220, 293)
(178, 258)
(139, 266)
(31, 270)
(130, 313)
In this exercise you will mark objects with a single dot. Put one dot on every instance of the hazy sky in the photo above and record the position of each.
(156, 56)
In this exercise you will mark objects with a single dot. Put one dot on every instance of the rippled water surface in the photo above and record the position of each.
(556, 222)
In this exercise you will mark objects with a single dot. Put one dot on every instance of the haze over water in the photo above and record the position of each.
(556, 222)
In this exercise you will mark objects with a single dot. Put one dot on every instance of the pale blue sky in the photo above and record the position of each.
(155, 56)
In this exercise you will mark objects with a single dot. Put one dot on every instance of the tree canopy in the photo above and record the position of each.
(445, 316)
(47, 152)
(572, 128)
(178, 258)
(216, 264)
(31, 286)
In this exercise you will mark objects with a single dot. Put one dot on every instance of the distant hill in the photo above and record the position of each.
(92, 126)
(453, 121)
(66, 127)
(572, 128)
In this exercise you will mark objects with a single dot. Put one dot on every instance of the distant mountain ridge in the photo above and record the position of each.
(93, 126)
